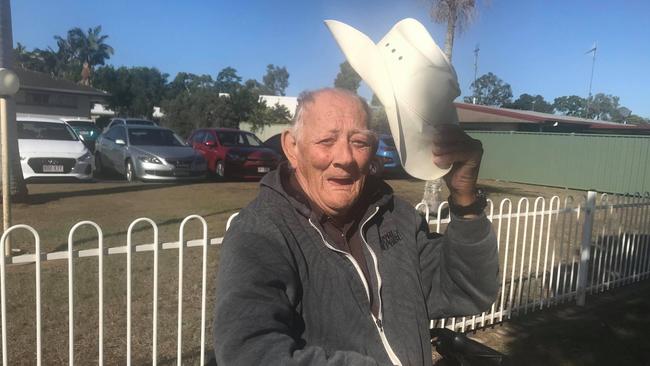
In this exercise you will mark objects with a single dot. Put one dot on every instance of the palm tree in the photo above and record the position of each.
(17, 183)
(89, 47)
(458, 14)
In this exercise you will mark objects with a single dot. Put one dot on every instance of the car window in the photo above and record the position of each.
(120, 133)
(153, 137)
(198, 137)
(83, 126)
(209, 137)
(45, 131)
(111, 134)
(139, 122)
(236, 138)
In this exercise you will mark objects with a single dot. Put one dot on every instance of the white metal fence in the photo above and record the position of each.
(551, 251)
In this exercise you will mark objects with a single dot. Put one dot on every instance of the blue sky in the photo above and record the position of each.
(537, 46)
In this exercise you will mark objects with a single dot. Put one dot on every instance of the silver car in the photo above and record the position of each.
(147, 153)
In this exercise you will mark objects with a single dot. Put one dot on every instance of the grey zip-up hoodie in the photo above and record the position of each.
(287, 297)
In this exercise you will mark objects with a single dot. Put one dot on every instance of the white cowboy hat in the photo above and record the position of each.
(413, 80)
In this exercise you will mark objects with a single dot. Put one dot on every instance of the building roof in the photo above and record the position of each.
(474, 113)
(33, 80)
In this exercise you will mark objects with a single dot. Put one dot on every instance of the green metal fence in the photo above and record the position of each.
(605, 163)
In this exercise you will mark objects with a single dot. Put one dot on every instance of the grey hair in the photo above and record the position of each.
(308, 97)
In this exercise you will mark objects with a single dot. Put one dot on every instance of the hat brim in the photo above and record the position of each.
(415, 146)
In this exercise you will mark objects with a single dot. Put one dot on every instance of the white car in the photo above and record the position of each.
(49, 148)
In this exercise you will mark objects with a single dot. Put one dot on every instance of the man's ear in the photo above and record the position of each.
(290, 147)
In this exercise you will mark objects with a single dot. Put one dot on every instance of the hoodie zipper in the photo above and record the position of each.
(378, 319)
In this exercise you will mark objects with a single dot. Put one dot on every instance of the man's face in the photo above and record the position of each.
(332, 152)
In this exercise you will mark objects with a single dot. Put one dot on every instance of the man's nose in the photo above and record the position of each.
(343, 156)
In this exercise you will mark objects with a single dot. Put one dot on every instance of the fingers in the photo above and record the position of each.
(465, 150)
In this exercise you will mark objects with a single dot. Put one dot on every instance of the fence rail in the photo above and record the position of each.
(551, 251)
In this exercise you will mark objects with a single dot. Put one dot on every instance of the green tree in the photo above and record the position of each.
(637, 120)
(276, 79)
(264, 115)
(347, 78)
(90, 47)
(606, 107)
(531, 103)
(571, 105)
(489, 89)
(227, 80)
(17, 186)
(187, 82)
(201, 108)
(134, 91)
(457, 14)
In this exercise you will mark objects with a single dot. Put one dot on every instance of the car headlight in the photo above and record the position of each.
(149, 159)
(86, 157)
(235, 157)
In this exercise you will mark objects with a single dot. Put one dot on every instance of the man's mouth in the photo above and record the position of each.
(341, 181)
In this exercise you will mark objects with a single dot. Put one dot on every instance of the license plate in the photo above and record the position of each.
(52, 168)
(263, 169)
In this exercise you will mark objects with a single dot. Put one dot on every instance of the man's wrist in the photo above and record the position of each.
(468, 205)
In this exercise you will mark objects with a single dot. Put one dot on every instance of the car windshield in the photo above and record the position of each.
(83, 126)
(153, 137)
(140, 122)
(45, 131)
(235, 138)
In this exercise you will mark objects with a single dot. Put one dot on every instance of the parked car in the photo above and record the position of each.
(49, 148)
(388, 156)
(275, 143)
(233, 153)
(85, 129)
(147, 153)
(129, 122)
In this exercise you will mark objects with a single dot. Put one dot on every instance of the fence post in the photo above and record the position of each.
(585, 247)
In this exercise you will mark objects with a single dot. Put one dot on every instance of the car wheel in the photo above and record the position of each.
(220, 170)
(129, 172)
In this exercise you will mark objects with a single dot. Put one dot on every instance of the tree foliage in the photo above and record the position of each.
(276, 79)
(531, 103)
(227, 80)
(201, 108)
(66, 60)
(347, 78)
(133, 91)
(490, 90)
(194, 101)
(571, 105)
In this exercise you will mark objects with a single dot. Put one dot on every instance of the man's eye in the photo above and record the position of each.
(327, 142)
(360, 143)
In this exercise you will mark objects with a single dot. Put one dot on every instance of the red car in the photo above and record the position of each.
(233, 153)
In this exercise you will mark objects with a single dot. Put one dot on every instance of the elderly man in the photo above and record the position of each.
(327, 267)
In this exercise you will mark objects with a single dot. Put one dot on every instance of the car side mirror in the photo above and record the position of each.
(120, 142)
(210, 143)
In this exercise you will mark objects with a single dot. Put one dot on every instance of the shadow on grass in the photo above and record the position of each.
(612, 329)
(41, 198)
